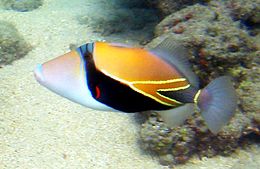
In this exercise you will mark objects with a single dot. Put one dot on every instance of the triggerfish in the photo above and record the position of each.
(115, 77)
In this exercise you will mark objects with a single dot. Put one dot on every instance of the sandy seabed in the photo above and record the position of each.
(39, 129)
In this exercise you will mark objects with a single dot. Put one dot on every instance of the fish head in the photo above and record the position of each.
(66, 76)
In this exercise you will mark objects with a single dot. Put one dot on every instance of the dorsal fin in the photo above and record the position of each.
(177, 55)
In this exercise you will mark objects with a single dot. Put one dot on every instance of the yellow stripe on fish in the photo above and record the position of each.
(151, 88)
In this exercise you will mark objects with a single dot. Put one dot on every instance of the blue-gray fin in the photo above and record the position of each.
(177, 55)
(218, 102)
(176, 116)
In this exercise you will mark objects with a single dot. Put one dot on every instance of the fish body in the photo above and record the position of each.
(114, 77)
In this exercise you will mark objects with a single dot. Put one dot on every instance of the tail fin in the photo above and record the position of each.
(217, 102)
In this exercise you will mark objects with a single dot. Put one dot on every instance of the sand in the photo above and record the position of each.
(39, 129)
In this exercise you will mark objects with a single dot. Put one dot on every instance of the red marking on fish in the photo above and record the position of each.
(98, 92)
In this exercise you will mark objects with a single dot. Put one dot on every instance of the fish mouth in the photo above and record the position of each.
(38, 73)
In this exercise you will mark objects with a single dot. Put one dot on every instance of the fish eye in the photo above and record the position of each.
(89, 47)
(88, 50)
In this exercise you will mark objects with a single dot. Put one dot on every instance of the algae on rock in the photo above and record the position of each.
(170, 6)
(248, 11)
(12, 45)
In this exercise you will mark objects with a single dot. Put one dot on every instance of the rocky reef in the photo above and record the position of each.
(219, 37)
(12, 45)
(247, 11)
(167, 7)
(21, 5)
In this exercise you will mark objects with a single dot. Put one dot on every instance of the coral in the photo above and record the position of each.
(12, 45)
(217, 45)
(21, 5)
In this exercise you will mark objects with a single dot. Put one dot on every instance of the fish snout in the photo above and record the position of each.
(38, 73)
(62, 75)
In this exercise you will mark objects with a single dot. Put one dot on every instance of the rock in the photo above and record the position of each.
(125, 17)
(247, 11)
(170, 6)
(22, 5)
(12, 45)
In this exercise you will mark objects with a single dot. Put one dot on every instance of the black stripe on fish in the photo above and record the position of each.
(87, 49)
(184, 96)
(115, 94)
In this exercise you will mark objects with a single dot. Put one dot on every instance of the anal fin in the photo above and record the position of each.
(176, 117)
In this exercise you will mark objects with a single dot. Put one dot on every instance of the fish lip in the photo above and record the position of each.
(38, 73)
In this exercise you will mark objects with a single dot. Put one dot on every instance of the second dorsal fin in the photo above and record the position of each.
(176, 55)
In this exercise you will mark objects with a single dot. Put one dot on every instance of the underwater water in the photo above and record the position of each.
(39, 129)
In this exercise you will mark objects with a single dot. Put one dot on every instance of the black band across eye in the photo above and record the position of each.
(87, 50)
